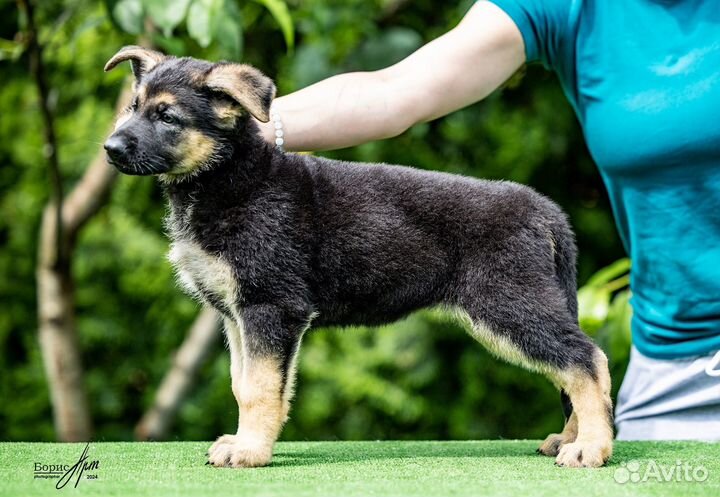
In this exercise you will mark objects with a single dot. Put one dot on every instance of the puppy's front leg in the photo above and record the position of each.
(262, 350)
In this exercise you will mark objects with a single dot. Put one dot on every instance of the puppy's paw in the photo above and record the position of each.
(238, 452)
(583, 454)
(551, 445)
(219, 452)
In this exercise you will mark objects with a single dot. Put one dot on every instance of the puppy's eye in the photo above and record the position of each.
(134, 105)
(167, 118)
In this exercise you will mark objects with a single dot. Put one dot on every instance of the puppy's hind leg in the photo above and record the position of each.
(540, 334)
(588, 387)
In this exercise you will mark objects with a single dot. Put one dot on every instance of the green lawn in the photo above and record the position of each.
(502, 468)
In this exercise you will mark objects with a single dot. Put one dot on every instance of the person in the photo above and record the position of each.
(643, 77)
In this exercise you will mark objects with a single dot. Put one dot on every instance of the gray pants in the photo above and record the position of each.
(668, 400)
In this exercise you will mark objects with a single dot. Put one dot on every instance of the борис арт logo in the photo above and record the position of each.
(65, 473)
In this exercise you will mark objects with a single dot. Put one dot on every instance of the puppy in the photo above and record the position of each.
(277, 242)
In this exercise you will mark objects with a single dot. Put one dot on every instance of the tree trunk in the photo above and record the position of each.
(58, 338)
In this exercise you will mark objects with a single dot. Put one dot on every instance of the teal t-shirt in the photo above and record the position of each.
(644, 79)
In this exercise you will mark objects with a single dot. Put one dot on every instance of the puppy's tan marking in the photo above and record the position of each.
(197, 149)
(162, 98)
(261, 412)
(498, 345)
(591, 403)
(234, 332)
(226, 113)
(260, 400)
(195, 153)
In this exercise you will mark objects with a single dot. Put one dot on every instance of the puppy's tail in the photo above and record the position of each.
(565, 252)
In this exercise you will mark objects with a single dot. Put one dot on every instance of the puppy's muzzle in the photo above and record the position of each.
(118, 148)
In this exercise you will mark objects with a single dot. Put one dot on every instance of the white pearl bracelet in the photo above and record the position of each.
(279, 133)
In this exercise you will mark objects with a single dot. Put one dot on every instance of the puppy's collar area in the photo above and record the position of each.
(279, 132)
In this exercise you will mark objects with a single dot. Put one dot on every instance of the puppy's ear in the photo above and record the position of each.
(245, 85)
(142, 59)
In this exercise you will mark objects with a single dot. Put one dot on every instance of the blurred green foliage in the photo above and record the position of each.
(422, 378)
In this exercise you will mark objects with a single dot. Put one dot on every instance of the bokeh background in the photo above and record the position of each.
(421, 378)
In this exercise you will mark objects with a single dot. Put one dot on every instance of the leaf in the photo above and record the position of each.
(219, 20)
(167, 14)
(279, 10)
(615, 335)
(10, 50)
(593, 307)
(228, 33)
(609, 273)
(129, 16)
(620, 315)
(199, 21)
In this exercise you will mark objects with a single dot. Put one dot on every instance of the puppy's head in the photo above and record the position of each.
(185, 114)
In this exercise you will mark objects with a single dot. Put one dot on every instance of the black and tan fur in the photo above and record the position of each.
(278, 242)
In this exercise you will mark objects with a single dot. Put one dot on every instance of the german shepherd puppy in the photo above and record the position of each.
(279, 242)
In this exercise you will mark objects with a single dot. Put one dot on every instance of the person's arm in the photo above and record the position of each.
(453, 71)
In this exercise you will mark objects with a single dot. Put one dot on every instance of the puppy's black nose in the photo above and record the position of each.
(116, 147)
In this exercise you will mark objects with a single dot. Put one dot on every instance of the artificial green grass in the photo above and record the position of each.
(346, 469)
